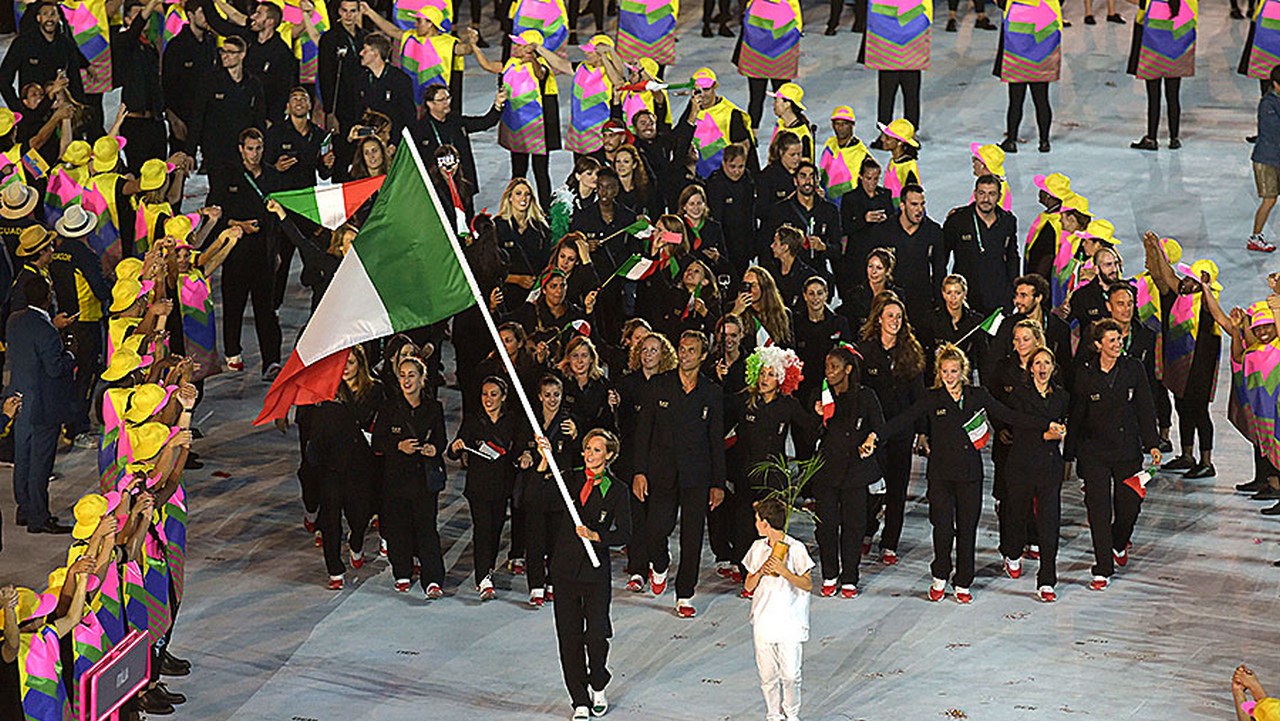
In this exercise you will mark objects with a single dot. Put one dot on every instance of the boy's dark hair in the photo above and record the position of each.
(773, 512)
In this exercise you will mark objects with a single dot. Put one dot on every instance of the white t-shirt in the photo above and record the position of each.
(779, 610)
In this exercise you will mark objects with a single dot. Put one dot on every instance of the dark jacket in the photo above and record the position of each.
(408, 476)
(680, 436)
(608, 514)
(733, 204)
(1032, 457)
(1113, 418)
(338, 74)
(32, 59)
(224, 110)
(896, 396)
(761, 436)
(40, 368)
(814, 340)
(633, 390)
(854, 206)
(589, 405)
(273, 62)
(492, 479)
(454, 130)
(1267, 148)
(857, 414)
(77, 272)
(986, 256)
(189, 63)
(390, 94)
(915, 255)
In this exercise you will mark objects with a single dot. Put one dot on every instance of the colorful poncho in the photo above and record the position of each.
(1180, 342)
(429, 61)
(1255, 397)
(1262, 52)
(1032, 42)
(108, 605)
(770, 46)
(306, 50)
(144, 223)
(647, 29)
(89, 28)
(89, 644)
(589, 108)
(898, 35)
(1066, 268)
(100, 198)
(522, 128)
(1168, 48)
(405, 15)
(174, 521)
(839, 167)
(44, 696)
(548, 17)
(199, 329)
(711, 135)
(899, 176)
(634, 101)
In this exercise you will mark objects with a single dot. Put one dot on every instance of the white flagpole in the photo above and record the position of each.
(409, 144)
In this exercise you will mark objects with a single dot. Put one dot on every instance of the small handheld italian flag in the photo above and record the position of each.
(693, 299)
(978, 429)
(763, 339)
(641, 229)
(991, 325)
(1138, 481)
(490, 450)
(330, 205)
(828, 402)
(580, 327)
(637, 267)
(731, 438)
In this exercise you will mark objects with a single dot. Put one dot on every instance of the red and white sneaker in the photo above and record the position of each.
(517, 566)
(382, 547)
(736, 576)
(848, 590)
(866, 546)
(1013, 567)
(434, 592)
(963, 596)
(1122, 557)
(318, 540)
(744, 593)
(657, 582)
(635, 584)
(309, 522)
(889, 557)
(937, 590)
(725, 569)
(1033, 552)
(685, 609)
(335, 583)
(1047, 595)
(551, 594)
(1099, 583)
(537, 597)
(487, 593)
(829, 587)
(1259, 244)
(402, 585)
(235, 363)
(357, 559)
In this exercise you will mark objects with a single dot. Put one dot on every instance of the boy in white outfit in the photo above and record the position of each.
(779, 610)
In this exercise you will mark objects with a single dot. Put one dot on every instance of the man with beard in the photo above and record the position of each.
(40, 55)
(190, 61)
(1088, 303)
(1029, 293)
(816, 217)
(983, 238)
(731, 197)
(915, 240)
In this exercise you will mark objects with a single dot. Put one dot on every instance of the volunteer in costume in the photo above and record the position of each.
(1253, 407)
(636, 97)
(647, 31)
(841, 160)
(1042, 237)
(1065, 276)
(711, 122)
(530, 125)
(1262, 48)
(955, 415)
(548, 17)
(788, 108)
(1029, 56)
(36, 646)
(113, 237)
(989, 160)
(769, 49)
(190, 272)
(1162, 54)
(427, 53)
(896, 42)
(160, 186)
(899, 138)
(591, 101)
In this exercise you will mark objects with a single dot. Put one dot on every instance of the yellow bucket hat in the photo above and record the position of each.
(991, 156)
(8, 119)
(88, 511)
(123, 362)
(528, 37)
(1102, 230)
(77, 154)
(704, 78)
(650, 67)
(1055, 184)
(106, 153)
(433, 15)
(178, 227)
(901, 129)
(146, 401)
(792, 92)
(1076, 202)
(34, 605)
(129, 268)
(147, 439)
(1172, 250)
(844, 112)
(153, 174)
(1205, 265)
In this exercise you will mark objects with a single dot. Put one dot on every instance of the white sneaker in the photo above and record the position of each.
(486, 589)
(685, 609)
(581, 713)
(599, 703)
(235, 363)
(382, 548)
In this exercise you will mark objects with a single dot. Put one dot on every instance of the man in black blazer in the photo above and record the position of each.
(42, 371)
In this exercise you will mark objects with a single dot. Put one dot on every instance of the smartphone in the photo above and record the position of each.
(364, 131)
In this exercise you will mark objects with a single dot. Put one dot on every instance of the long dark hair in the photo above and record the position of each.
(907, 355)
(487, 258)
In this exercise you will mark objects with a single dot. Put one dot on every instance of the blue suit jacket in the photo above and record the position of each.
(41, 368)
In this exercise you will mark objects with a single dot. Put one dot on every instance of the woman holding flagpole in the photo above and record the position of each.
(954, 414)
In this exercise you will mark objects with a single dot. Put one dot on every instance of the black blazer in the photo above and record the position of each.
(855, 417)
(490, 480)
(762, 435)
(608, 514)
(1113, 418)
(680, 436)
(40, 368)
(410, 476)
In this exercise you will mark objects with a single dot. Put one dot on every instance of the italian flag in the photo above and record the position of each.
(637, 267)
(978, 429)
(581, 327)
(991, 325)
(403, 271)
(329, 205)
(828, 402)
(1138, 481)
(763, 339)
(731, 438)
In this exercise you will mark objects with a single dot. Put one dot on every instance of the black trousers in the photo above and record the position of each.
(541, 174)
(1039, 98)
(597, 11)
(341, 494)
(539, 509)
(755, 104)
(637, 547)
(1038, 496)
(1171, 97)
(954, 508)
(34, 448)
(1112, 508)
(1193, 420)
(583, 631)
(88, 337)
(691, 503)
(409, 525)
(709, 12)
(1164, 404)
(890, 81)
(246, 275)
(147, 139)
(488, 516)
(842, 521)
(473, 6)
(978, 5)
(896, 458)
(722, 528)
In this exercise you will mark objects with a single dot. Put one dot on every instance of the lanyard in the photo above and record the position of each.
(977, 231)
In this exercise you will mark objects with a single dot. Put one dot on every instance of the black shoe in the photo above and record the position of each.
(1174, 143)
(1145, 144)
(168, 696)
(984, 24)
(830, 32)
(724, 31)
(21, 518)
(481, 42)
(196, 433)
(1088, 20)
(706, 32)
(1117, 19)
(1236, 14)
(1166, 445)
(1065, 23)
(1250, 139)
(1202, 470)
(1044, 146)
(951, 25)
(151, 703)
(1272, 510)
(193, 463)
(169, 666)
(1266, 494)
(1253, 486)
(1181, 463)
(1009, 145)
(50, 526)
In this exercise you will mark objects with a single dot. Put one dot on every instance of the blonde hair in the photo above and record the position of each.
(508, 212)
(595, 371)
(668, 360)
(951, 352)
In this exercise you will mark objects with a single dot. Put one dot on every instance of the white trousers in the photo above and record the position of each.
(779, 666)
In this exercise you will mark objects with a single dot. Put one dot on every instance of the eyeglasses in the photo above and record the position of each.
(230, 51)
(441, 98)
